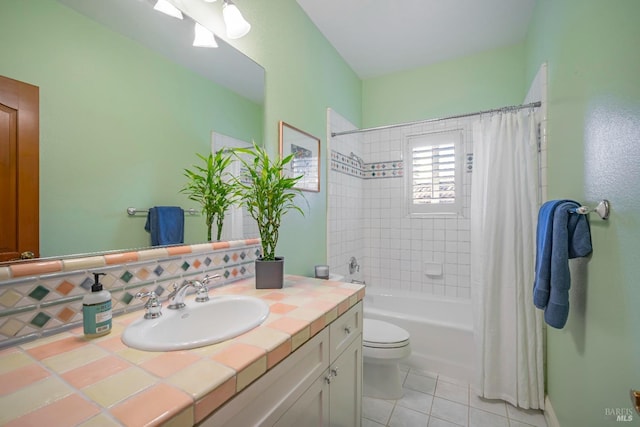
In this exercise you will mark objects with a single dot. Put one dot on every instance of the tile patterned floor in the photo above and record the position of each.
(432, 400)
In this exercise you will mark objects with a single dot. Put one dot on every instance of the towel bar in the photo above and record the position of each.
(602, 209)
(133, 211)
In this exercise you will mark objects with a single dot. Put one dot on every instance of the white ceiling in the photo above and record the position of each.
(377, 37)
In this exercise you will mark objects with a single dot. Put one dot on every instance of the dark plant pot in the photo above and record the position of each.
(270, 274)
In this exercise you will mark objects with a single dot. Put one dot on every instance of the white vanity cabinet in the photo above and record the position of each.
(319, 384)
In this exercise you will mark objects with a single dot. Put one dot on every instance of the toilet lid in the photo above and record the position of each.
(377, 333)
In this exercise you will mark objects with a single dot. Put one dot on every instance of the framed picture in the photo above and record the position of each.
(306, 159)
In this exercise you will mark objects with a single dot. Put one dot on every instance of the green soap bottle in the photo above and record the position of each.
(96, 310)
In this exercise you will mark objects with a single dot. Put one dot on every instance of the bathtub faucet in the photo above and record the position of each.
(353, 265)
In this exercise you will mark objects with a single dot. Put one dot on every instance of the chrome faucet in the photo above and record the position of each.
(176, 297)
(353, 265)
(153, 308)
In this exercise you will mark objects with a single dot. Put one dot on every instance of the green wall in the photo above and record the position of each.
(304, 76)
(593, 55)
(118, 124)
(478, 82)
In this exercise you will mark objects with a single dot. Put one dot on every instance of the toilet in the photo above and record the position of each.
(384, 346)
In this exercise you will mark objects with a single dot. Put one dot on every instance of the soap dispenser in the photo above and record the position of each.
(96, 310)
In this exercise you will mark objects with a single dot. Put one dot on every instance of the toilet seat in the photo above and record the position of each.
(380, 334)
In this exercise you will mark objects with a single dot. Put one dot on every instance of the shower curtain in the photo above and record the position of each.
(504, 207)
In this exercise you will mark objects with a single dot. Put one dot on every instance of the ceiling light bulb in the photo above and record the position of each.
(165, 7)
(204, 37)
(236, 24)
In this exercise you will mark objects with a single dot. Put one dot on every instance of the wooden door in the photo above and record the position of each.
(19, 169)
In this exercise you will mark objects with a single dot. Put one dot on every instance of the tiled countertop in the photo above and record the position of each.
(68, 380)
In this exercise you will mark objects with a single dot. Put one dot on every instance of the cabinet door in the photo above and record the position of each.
(311, 409)
(267, 399)
(345, 398)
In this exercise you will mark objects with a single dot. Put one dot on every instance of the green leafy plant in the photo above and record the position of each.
(212, 187)
(267, 193)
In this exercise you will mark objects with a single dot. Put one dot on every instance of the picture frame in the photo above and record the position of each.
(306, 161)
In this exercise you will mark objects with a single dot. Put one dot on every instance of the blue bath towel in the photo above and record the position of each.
(166, 225)
(561, 235)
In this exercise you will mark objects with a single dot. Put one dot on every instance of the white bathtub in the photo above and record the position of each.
(441, 329)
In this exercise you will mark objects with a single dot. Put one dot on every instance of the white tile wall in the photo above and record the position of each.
(399, 247)
(345, 207)
(367, 218)
(538, 92)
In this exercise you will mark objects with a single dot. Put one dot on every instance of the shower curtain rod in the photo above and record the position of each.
(459, 116)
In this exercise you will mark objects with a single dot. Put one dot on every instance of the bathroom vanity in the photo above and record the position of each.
(302, 366)
(320, 384)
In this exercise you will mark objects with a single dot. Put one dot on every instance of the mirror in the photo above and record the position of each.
(125, 103)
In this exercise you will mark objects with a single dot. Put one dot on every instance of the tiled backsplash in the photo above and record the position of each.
(45, 297)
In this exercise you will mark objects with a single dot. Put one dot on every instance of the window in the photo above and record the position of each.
(434, 178)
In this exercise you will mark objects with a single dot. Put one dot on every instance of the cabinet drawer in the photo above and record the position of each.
(344, 330)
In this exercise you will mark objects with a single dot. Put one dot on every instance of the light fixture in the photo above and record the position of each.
(236, 24)
(204, 37)
(165, 7)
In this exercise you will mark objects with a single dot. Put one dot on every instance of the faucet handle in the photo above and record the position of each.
(202, 292)
(208, 278)
(153, 306)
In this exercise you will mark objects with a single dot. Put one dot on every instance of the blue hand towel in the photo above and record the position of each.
(166, 225)
(561, 235)
(542, 282)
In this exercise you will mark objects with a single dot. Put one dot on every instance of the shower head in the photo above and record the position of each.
(357, 158)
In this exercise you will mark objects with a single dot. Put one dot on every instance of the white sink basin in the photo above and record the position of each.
(198, 324)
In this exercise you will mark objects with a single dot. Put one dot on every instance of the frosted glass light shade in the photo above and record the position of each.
(204, 37)
(236, 24)
(167, 8)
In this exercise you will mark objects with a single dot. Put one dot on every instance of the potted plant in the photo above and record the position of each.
(212, 187)
(268, 194)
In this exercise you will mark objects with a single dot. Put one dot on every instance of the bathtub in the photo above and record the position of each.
(441, 329)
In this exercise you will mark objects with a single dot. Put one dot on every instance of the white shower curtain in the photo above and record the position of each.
(504, 209)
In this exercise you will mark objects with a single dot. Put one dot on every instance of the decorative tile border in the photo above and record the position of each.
(349, 166)
(36, 301)
(345, 164)
(392, 169)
